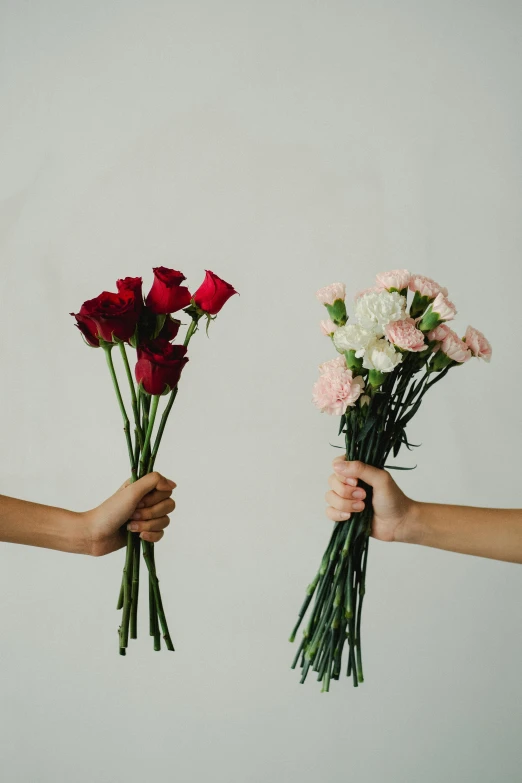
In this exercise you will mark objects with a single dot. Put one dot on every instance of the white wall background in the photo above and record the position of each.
(284, 145)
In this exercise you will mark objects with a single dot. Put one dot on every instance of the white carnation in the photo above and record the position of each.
(375, 310)
(353, 337)
(381, 355)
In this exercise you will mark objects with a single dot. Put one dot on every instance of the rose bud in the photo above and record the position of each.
(170, 329)
(134, 285)
(159, 366)
(87, 328)
(167, 295)
(114, 316)
(213, 293)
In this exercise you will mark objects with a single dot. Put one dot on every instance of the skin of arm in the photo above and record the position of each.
(484, 532)
(142, 507)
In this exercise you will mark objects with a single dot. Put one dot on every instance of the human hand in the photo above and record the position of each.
(144, 505)
(392, 508)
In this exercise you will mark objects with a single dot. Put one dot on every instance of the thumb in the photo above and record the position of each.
(148, 483)
(359, 470)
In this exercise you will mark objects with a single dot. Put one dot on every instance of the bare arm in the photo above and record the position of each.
(144, 505)
(484, 532)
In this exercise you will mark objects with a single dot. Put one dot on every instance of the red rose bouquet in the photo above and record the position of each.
(389, 357)
(123, 319)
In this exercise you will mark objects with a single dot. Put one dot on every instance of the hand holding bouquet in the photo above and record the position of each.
(389, 359)
(123, 318)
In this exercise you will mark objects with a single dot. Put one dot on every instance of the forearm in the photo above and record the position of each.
(33, 524)
(484, 532)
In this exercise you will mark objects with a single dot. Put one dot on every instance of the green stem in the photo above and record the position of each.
(126, 425)
(174, 393)
(135, 586)
(148, 435)
(147, 546)
(134, 398)
(127, 597)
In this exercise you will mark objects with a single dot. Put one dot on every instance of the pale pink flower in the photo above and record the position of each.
(405, 335)
(426, 286)
(330, 293)
(397, 278)
(445, 309)
(455, 348)
(328, 327)
(478, 344)
(336, 389)
(376, 289)
(438, 334)
(333, 364)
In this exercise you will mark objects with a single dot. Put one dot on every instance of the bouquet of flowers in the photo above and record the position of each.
(123, 318)
(392, 355)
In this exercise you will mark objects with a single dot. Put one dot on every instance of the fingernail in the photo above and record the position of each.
(358, 506)
(344, 516)
(136, 515)
(358, 493)
(352, 482)
(133, 527)
(172, 483)
(340, 467)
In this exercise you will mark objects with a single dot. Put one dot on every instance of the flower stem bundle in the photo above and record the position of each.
(114, 320)
(389, 359)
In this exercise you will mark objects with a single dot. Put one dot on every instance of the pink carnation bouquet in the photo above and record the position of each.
(390, 356)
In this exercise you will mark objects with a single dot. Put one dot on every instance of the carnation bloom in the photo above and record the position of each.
(478, 344)
(399, 279)
(455, 348)
(339, 362)
(330, 293)
(405, 335)
(353, 337)
(445, 309)
(425, 286)
(328, 327)
(336, 389)
(375, 311)
(382, 356)
(438, 334)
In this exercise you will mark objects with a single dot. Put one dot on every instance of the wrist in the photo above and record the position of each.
(411, 528)
(75, 536)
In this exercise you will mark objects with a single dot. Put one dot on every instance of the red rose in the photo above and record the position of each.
(88, 329)
(167, 295)
(114, 316)
(213, 293)
(159, 365)
(134, 285)
(169, 329)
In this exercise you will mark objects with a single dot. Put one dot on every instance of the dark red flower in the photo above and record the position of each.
(169, 329)
(159, 365)
(134, 285)
(114, 316)
(88, 328)
(167, 295)
(213, 293)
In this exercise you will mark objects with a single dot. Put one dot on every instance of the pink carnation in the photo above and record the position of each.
(455, 348)
(376, 289)
(336, 389)
(446, 310)
(397, 278)
(333, 364)
(438, 334)
(405, 335)
(478, 344)
(328, 327)
(330, 293)
(426, 286)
